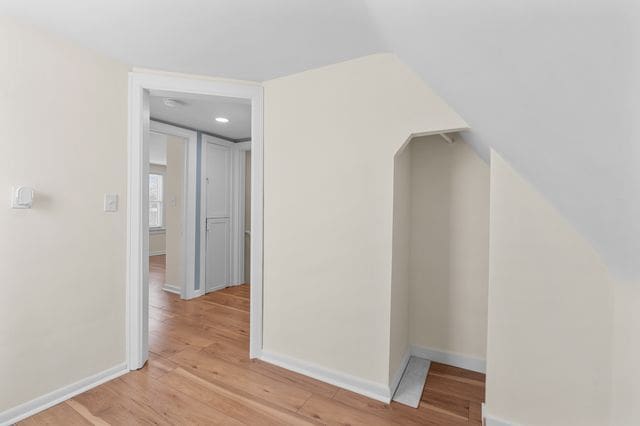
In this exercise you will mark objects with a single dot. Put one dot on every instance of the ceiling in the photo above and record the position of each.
(550, 84)
(248, 39)
(199, 112)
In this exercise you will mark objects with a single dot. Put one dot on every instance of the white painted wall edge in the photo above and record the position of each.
(57, 396)
(171, 288)
(457, 360)
(369, 389)
(395, 381)
(490, 420)
(188, 238)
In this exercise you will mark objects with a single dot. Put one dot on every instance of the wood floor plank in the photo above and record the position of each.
(199, 372)
(293, 379)
(230, 351)
(475, 413)
(61, 414)
(238, 290)
(222, 372)
(84, 412)
(230, 300)
(158, 366)
(184, 333)
(169, 404)
(454, 387)
(445, 403)
(459, 374)
(332, 412)
(116, 408)
(385, 411)
(159, 314)
(165, 345)
(240, 405)
(206, 326)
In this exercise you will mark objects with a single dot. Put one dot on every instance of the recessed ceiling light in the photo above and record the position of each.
(222, 119)
(171, 103)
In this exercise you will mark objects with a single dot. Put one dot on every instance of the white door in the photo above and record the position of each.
(218, 252)
(218, 220)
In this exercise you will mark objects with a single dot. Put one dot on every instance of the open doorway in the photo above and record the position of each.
(194, 264)
(214, 313)
(168, 176)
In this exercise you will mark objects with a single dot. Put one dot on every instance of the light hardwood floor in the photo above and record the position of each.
(199, 373)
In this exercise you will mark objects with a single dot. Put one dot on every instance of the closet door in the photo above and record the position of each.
(218, 181)
(218, 220)
(218, 251)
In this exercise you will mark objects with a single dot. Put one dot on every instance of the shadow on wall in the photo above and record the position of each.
(447, 233)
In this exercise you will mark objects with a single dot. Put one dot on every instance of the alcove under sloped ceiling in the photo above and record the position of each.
(440, 265)
(329, 212)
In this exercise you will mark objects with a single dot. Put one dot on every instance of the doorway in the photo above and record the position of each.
(137, 315)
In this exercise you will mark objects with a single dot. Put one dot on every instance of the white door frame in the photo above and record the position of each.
(137, 294)
(189, 228)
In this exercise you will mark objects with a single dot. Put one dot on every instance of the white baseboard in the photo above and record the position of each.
(43, 402)
(220, 287)
(346, 381)
(395, 381)
(171, 288)
(450, 358)
(490, 420)
(157, 253)
(195, 294)
(494, 421)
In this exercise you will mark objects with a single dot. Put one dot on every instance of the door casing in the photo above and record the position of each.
(137, 284)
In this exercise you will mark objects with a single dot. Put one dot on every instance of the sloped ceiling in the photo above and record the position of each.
(550, 84)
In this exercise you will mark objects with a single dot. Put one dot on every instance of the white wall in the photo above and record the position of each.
(157, 243)
(174, 211)
(625, 390)
(449, 247)
(63, 127)
(400, 266)
(328, 219)
(549, 352)
(158, 149)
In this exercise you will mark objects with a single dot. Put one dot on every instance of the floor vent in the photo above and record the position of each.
(409, 390)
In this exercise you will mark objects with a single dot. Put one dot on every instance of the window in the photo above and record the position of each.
(156, 198)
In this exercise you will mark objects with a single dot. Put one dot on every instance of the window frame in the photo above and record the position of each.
(162, 228)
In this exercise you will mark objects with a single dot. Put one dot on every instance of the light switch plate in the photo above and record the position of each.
(110, 202)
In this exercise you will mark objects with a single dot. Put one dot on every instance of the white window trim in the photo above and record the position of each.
(163, 228)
